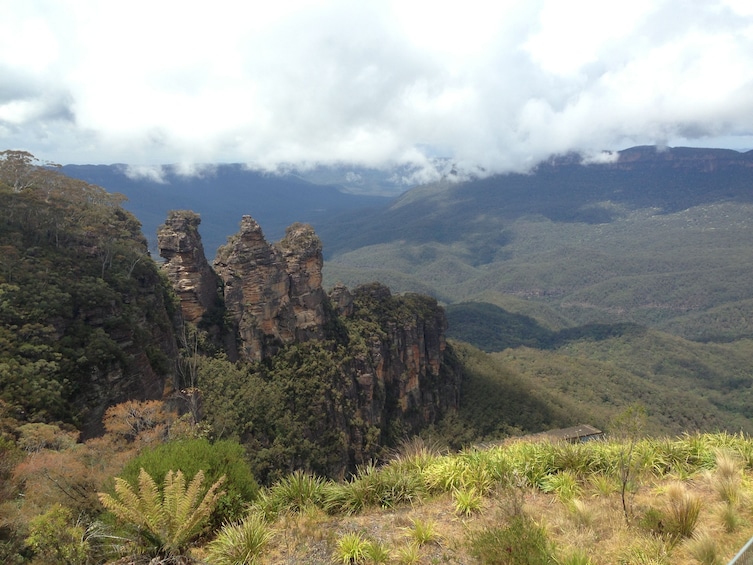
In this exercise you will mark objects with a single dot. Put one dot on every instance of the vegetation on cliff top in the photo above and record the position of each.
(81, 302)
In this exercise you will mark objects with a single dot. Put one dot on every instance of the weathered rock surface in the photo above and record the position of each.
(402, 377)
(273, 294)
(393, 378)
(186, 265)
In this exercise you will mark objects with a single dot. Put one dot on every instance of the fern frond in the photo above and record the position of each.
(191, 497)
(196, 518)
(167, 521)
(150, 502)
(127, 506)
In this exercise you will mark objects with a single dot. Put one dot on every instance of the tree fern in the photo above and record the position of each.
(166, 521)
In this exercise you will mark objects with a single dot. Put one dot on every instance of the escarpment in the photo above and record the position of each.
(392, 349)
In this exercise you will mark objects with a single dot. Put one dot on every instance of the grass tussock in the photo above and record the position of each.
(522, 502)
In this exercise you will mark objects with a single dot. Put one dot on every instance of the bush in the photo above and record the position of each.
(223, 458)
(54, 537)
(521, 542)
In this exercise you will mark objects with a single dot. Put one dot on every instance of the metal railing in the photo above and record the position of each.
(744, 556)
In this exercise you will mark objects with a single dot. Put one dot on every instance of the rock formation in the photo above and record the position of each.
(186, 265)
(403, 377)
(273, 294)
(392, 349)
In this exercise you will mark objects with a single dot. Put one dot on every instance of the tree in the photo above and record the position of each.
(628, 426)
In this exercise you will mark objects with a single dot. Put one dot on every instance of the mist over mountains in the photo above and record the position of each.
(647, 236)
(222, 193)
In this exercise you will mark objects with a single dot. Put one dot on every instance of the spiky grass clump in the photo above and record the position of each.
(409, 554)
(563, 484)
(240, 544)
(423, 532)
(703, 548)
(604, 484)
(730, 518)
(467, 502)
(482, 470)
(683, 510)
(577, 557)
(377, 552)
(384, 487)
(292, 493)
(582, 513)
(352, 548)
(646, 551)
(416, 454)
(727, 477)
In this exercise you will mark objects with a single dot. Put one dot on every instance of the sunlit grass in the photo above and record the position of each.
(571, 494)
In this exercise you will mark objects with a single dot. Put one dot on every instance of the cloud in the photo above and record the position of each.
(494, 87)
(153, 173)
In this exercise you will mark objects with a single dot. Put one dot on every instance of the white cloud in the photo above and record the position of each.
(498, 85)
(154, 173)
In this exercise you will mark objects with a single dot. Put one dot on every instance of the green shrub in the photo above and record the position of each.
(54, 537)
(521, 542)
(222, 458)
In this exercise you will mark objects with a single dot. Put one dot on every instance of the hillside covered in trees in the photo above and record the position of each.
(249, 371)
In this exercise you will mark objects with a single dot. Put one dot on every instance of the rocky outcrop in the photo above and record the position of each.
(302, 251)
(186, 265)
(391, 377)
(273, 294)
(401, 373)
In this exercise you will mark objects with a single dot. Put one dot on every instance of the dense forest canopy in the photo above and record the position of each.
(79, 293)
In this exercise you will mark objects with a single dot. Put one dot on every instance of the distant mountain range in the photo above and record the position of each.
(221, 194)
(657, 238)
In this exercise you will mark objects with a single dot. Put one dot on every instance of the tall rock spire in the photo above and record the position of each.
(186, 265)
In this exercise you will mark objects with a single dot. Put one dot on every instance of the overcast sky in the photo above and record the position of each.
(491, 83)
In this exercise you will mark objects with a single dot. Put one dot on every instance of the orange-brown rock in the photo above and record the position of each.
(403, 377)
(186, 266)
(273, 294)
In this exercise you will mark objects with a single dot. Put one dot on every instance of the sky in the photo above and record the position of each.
(494, 85)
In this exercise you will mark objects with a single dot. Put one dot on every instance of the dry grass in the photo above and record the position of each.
(593, 524)
(587, 528)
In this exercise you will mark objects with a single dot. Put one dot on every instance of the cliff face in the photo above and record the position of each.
(390, 350)
(273, 294)
(401, 374)
(186, 266)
